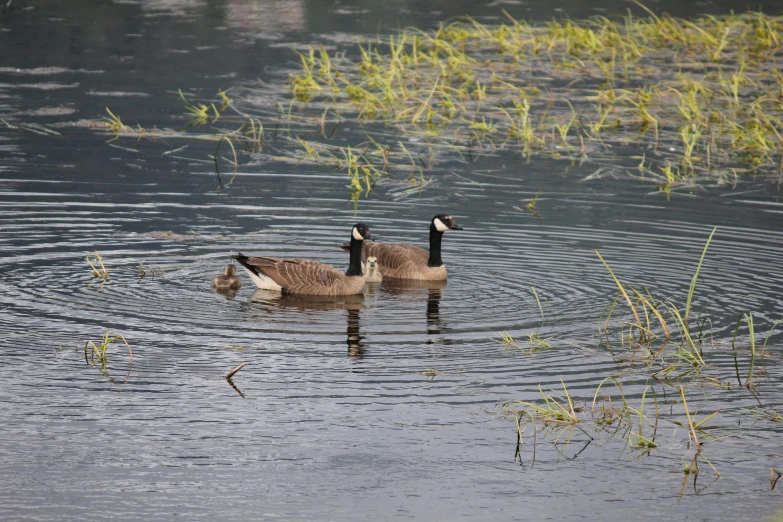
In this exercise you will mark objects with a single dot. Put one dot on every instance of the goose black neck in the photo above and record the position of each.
(355, 264)
(435, 239)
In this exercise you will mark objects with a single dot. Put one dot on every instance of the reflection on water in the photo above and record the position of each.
(434, 292)
(352, 304)
(306, 303)
(228, 293)
(353, 335)
(255, 19)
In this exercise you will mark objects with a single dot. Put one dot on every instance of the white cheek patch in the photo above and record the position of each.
(439, 226)
(356, 235)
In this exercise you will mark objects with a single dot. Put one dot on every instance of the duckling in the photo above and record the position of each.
(227, 280)
(372, 274)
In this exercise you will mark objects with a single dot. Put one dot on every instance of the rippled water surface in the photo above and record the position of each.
(377, 407)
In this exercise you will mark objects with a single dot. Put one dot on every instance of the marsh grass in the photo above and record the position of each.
(145, 269)
(536, 343)
(96, 353)
(636, 423)
(660, 333)
(665, 346)
(559, 87)
(430, 373)
(697, 100)
(96, 259)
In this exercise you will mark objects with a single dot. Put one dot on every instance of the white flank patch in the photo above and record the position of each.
(263, 282)
(439, 226)
(356, 235)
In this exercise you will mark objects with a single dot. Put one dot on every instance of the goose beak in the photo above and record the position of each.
(455, 226)
(369, 237)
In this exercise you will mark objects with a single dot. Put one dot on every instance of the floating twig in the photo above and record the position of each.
(235, 370)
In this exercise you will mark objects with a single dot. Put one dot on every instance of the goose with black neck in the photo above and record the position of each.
(406, 261)
(305, 277)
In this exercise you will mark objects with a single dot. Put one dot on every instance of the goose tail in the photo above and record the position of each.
(261, 280)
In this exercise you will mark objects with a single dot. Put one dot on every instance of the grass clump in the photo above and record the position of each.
(662, 333)
(96, 353)
(696, 100)
(96, 259)
(571, 88)
(663, 347)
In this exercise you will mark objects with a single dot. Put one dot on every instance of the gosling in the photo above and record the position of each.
(372, 273)
(228, 280)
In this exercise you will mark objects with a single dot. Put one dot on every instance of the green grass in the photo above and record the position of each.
(663, 351)
(96, 353)
(699, 99)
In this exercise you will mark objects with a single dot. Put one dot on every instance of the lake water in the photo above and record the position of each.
(382, 407)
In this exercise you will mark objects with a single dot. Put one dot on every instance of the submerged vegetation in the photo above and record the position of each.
(96, 353)
(664, 98)
(660, 348)
(667, 99)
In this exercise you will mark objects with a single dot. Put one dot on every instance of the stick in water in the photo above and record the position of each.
(235, 370)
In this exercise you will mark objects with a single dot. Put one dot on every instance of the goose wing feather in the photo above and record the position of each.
(300, 276)
(393, 256)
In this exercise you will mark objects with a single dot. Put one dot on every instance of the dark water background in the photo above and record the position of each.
(338, 422)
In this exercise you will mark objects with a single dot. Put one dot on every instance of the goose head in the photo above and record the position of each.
(360, 232)
(444, 222)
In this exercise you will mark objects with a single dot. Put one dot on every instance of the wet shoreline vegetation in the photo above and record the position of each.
(672, 101)
(663, 349)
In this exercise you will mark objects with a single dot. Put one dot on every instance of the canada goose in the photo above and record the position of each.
(300, 276)
(227, 280)
(371, 272)
(410, 261)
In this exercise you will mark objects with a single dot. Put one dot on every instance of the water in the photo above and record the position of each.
(335, 416)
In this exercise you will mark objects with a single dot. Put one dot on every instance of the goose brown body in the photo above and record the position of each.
(305, 277)
(404, 261)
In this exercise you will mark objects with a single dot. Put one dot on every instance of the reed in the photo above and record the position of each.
(96, 353)
(96, 259)
(466, 89)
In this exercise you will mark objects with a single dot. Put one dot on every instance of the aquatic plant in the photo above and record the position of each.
(96, 259)
(430, 373)
(599, 90)
(610, 419)
(662, 347)
(96, 353)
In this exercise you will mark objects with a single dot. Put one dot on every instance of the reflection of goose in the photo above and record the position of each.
(355, 345)
(406, 261)
(434, 291)
(308, 302)
(402, 286)
(352, 304)
(303, 277)
(227, 280)
(433, 311)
